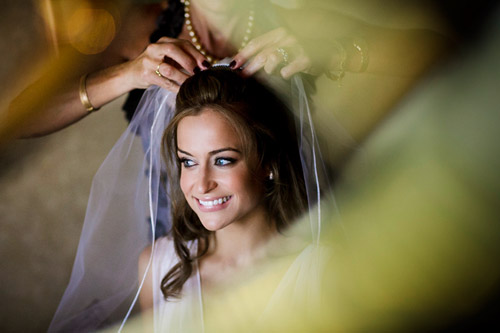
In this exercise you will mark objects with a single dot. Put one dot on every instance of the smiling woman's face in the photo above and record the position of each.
(216, 178)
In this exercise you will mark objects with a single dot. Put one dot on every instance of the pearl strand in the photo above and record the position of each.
(196, 40)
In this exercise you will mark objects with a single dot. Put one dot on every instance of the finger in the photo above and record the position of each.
(172, 73)
(177, 53)
(257, 44)
(165, 83)
(199, 58)
(258, 62)
(254, 65)
(300, 64)
(273, 61)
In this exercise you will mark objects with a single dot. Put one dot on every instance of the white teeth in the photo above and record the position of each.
(214, 202)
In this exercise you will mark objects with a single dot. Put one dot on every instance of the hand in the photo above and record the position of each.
(175, 59)
(264, 52)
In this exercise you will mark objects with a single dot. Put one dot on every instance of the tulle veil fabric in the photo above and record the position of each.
(124, 213)
(120, 222)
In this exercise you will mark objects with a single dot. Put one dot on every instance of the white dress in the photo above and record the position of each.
(297, 286)
(176, 315)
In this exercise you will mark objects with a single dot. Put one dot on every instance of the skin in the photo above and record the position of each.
(216, 170)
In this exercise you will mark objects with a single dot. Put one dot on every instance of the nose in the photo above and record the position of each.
(205, 181)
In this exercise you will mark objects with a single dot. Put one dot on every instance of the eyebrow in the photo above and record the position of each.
(213, 152)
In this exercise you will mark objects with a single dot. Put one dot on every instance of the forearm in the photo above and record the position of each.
(396, 52)
(50, 108)
(329, 38)
(53, 101)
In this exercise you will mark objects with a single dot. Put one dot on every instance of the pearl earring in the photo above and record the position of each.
(271, 176)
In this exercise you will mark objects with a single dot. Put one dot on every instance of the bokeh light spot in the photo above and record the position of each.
(90, 31)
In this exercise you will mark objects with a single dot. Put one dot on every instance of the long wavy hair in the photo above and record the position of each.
(267, 130)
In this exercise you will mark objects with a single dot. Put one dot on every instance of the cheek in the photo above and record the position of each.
(247, 185)
(236, 180)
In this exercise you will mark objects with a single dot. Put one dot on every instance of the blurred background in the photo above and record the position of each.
(44, 182)
(439, 128)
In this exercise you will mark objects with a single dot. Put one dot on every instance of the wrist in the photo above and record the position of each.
(337, 64)
(125, 76)
(357, 55)
(104, 86)
(84, 97)
(348, 55)
(121, 79)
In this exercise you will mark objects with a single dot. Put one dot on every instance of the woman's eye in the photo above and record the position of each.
(222, 161)
(187, 163)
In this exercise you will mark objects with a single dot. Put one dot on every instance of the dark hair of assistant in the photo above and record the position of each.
(266, 127)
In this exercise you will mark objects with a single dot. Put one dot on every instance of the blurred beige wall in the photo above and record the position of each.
(44, 184)
(44, 187)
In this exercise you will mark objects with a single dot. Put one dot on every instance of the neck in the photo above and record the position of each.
(215, 16)
(220, 28)
(242, 242)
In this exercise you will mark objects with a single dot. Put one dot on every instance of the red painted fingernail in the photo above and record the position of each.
(232, 64)
(205, 64)
(196, 70)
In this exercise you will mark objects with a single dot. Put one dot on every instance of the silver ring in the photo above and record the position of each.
(284, 54)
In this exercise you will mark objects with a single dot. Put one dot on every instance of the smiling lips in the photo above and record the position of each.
(213, 205)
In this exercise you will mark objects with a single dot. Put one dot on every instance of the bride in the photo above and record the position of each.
(236, 182)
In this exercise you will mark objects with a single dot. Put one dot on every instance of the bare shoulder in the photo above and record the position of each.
(144, 258)
(146, 293)
(162, 245)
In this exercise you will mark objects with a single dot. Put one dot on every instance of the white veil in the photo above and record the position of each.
(124, 213)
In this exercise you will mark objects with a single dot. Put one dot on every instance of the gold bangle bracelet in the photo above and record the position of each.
(338, 73)
(84, 98)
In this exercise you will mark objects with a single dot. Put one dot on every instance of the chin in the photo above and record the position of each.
(212, 225)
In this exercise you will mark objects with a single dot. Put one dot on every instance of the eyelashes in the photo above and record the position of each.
(186, 163)
(223, 161)
(219, 161)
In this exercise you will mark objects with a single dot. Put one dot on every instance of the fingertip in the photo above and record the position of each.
(268, 69)
(285, 73)
(238, 61)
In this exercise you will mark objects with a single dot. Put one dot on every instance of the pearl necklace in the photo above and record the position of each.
(196, 40)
